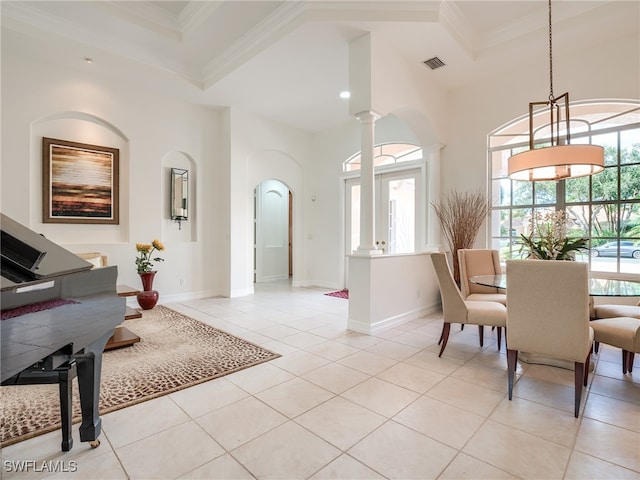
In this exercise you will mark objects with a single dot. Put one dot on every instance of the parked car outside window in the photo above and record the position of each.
(610, 249)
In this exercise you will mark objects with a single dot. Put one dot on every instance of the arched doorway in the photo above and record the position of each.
(273, 231)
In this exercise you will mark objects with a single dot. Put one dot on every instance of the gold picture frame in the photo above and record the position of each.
(79, 183)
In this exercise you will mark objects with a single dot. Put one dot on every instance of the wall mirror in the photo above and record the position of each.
(179, 195)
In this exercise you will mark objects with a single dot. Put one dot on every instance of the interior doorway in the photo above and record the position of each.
(273, 231)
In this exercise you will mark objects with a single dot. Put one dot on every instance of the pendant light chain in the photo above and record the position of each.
(551, 97)
(555, 160)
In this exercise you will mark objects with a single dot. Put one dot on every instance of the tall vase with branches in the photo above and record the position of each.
(461, 215)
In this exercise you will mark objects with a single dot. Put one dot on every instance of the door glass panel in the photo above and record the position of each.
(354, 236)
(402, 213)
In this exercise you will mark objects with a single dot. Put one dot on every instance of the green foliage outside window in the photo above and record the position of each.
(601, 208)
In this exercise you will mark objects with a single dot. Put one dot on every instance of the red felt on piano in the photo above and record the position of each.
(36, 307)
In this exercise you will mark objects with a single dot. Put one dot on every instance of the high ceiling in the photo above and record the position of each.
(288, 60)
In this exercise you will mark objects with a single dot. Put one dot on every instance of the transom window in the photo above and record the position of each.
(605, 208)
(386, 154)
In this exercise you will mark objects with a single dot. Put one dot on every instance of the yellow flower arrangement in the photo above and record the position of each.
(145, 250)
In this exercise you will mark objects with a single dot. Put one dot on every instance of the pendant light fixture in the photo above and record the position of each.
(561, 159)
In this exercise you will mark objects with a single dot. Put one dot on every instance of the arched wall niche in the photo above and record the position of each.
(81, 127)
(186, 231)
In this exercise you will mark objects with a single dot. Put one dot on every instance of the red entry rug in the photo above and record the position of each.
(340, 294)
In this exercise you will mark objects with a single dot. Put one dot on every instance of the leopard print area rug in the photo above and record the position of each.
(175, 352)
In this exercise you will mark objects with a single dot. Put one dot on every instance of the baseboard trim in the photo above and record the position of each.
(390, 322)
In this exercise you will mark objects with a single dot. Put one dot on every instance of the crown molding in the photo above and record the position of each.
(265, 33)
(145, 15)
(452, 19)
(291, 14)
(195, 14)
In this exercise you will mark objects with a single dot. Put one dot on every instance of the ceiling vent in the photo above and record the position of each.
(434, 63)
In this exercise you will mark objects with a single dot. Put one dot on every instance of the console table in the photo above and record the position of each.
(122, 336)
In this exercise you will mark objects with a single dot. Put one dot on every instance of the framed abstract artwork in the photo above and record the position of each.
(79, 183)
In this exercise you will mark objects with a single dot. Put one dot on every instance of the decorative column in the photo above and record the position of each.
(434, 240)
(367, 245)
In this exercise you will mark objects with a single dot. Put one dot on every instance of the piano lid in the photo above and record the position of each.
(29, 258)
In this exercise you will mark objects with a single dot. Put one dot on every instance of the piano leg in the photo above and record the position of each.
(89, 369)
(65, 384)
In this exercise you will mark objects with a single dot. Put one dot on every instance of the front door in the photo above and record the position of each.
(396, 196)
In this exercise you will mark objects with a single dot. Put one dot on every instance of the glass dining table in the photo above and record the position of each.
(598, 287)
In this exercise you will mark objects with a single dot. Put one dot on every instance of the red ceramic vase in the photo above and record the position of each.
(148, 298)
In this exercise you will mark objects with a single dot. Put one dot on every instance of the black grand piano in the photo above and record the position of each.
(57, 315)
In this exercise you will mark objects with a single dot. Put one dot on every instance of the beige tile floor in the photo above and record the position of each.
(342, 405)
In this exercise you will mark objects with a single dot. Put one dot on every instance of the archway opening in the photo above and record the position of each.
(272, 232)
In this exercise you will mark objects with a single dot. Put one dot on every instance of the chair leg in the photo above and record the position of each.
(578, 380)
(441, 334)
(481, 335)
(625, 361)
(596, 346)
(461, 326)
(499, 337)
(512, 358)
(586, 370)
(630, 362)
(445, 337)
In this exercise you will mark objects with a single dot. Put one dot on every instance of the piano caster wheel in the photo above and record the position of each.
(94, 444)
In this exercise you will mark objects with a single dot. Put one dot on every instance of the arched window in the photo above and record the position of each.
(605, 208)
(386, 154)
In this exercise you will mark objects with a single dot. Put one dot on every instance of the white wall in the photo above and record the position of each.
(325, 236)
(406, 89)
(603, 71)
(232, 151)
(40, 99)
(390, 289)
(262, 150)
(228, 153)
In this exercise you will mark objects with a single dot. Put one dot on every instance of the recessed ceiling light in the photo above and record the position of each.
(88, 60)
(345, 94)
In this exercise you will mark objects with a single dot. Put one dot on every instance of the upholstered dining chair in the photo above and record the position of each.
(548, 314)
(477, 261)
(456, 310)
(621, 332)
(614, 311)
